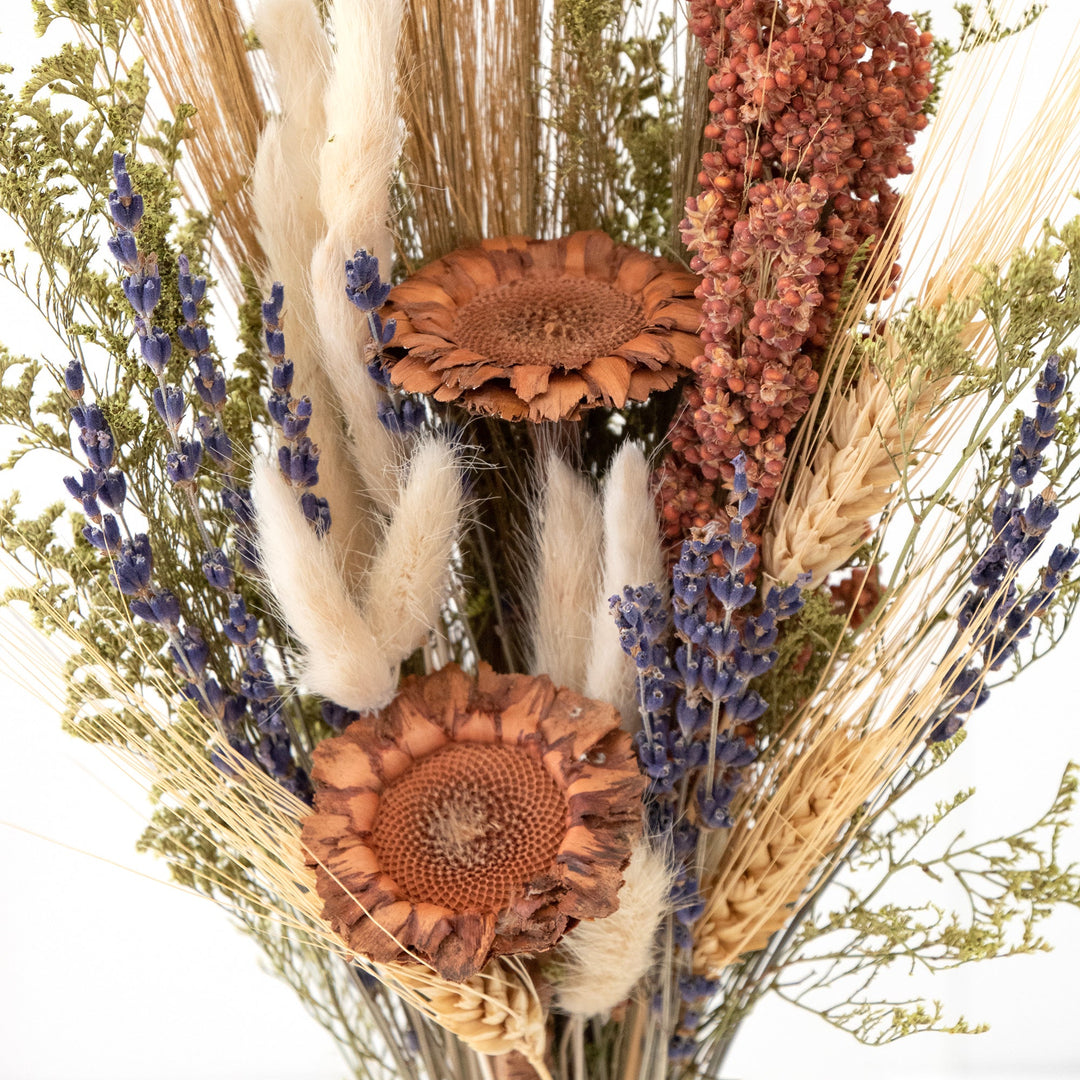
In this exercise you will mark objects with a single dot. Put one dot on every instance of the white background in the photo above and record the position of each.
(110, 972)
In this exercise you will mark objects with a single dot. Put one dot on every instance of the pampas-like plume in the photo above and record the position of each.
(343, 333)
(361, 148)
(343, 660)
(568, 533)
(632, 556)
(196, 50)
(801, 828)
(497, 1011)
(356, 161)
(850, 478)
(409, 575)
(290, 223)
(599, 963)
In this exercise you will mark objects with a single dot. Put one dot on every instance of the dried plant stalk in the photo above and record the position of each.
(869, 443)
(222, 87)
(495, 1012)
(470, 105)
(798, 833)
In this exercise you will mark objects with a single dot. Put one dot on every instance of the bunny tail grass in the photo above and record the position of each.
(568, 534)
(632, 556)
(343, 660)
(290, 224)
(411, 572)
(356, 162)
(599, 963)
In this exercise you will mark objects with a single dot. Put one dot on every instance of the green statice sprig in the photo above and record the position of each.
(1007, 887)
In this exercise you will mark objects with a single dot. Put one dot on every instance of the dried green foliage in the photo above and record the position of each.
(1004, 888)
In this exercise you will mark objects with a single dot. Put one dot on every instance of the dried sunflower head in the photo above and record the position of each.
(472, 818)
(541, 329)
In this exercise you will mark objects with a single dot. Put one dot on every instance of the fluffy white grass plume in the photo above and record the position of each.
(568, 533)
(600, 961)
(343, 661)
(411, 571)
(356, 161)
(632, 556)
(290, 224)
(363, 136)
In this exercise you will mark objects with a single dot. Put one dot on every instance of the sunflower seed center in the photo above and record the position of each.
(556, 321)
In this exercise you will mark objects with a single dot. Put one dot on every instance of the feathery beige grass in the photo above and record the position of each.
(568, 533)
(285, 182)
(221, 85)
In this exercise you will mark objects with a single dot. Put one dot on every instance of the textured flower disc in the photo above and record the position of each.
(541, 329)
(472, 818)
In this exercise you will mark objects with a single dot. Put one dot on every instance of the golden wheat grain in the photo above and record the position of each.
(868, 444)
(769, 871)
(495, 1012)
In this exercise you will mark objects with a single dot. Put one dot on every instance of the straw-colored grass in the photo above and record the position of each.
(469, 80)
(869, 444)
(197, 54)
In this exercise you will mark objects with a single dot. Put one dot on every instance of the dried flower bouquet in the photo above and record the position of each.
(595, 534)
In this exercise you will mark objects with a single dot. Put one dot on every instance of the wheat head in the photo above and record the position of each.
(495, 1012)
(869, 442)
(767, 869)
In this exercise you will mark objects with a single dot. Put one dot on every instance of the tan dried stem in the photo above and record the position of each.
(469, 99)
(197, 53)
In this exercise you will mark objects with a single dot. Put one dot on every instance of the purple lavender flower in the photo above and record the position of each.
(143, 287)
(155, 346)
(125, 206)
(1002, 616)
(73, 379)
(133, 566)
(363, 286)
(170, 405)
(182, 465)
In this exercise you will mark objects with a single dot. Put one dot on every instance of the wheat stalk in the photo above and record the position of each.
(868, 445)
(495, 1012)
(803, 824)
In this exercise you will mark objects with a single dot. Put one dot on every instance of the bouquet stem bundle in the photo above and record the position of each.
(528, 633)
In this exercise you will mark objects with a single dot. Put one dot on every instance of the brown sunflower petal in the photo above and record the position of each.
(528, 380)
(608, 377)
(464, 952)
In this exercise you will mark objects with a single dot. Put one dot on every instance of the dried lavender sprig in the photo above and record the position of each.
(1003, 617)
(143, 289)
(298, 456)
(131, 559)
(367, 291)
(696, 703)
